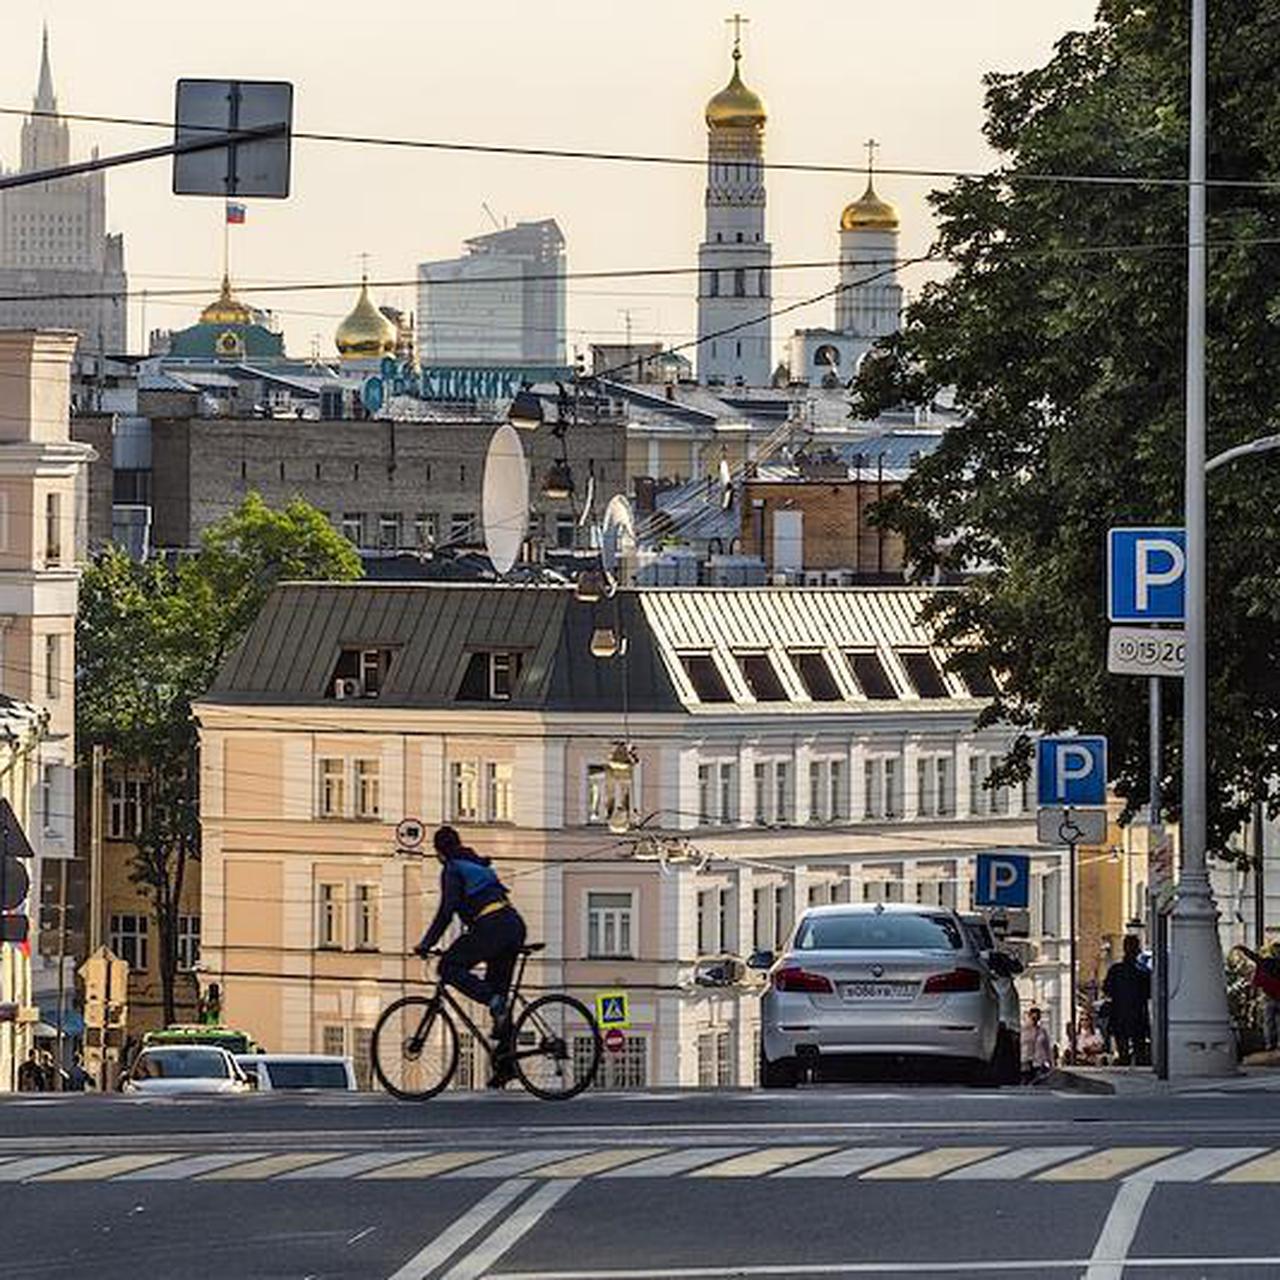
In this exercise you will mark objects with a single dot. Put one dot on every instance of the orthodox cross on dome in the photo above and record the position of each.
(872, 147)
(737, 22)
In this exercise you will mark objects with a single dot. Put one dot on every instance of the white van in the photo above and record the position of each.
(275, 1071)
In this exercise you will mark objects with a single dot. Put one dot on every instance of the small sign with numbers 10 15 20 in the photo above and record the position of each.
(1144, 651)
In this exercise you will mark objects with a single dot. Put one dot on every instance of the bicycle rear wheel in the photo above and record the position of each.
(557, 1047)
(415, 1048)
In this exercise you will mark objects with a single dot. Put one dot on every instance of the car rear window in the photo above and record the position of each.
(181, 1064)
(307, 1075)
(878, 931)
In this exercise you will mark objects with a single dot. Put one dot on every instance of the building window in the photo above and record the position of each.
(128, 939)
(827, 790)
(763, 917)
(626, 1069)
(388, 531)
(329, 916)
(333, 1041)
(366, 921)
(359, 673)
(353, 527)
(596, 794)
(362, 1056)
(981, 684)
(882, 790)
(923, 673)
(53, 529)
(718, 793)
(704, 675)
(368, 789)
(771, 802)
(426, 529)
(870, 676)
(935, 793)
(126, 808)
(333, 787)
(609, 924)
(490, 677)
(52, 667)
(461, 525)
(713, 284)
(499, 792)
(782, 792)
(815, 675)
(761, 677)
(739, 283)
(566, 529)
(985, 799)
(188, 942)
(465, 790)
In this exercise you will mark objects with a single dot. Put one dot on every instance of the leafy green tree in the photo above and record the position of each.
(150, 640)
(1062, 332)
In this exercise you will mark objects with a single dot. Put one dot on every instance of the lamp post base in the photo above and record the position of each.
(1201, 1042)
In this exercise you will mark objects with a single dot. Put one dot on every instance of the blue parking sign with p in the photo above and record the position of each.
(1003, 880)
(1071, 772)
(1146, 575)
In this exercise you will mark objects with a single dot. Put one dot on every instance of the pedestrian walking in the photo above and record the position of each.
(1037, 1052)
(1128, 987)
(30, 1076)
(1266, 977)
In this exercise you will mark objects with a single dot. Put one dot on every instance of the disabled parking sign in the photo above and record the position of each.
(612, 1010)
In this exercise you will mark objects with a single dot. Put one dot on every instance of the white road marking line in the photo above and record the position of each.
(1107, 1262)
(598, 1162)
(518, 1162)
(1014, 1164)
(841, 1164)
(757, 1163)
(438, 1251)
(675, 1162)
(105, 1167)
(33, 1166)
(511, 1230)
(191, 1166)
(1105, 1165)
(349, 1166)
(932, 1163)
(269, 1166)
(1192, 1166)
(1264, 1169)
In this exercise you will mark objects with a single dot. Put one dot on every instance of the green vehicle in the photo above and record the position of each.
(228, 1038)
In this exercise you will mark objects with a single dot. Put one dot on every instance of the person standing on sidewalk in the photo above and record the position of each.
(1128, 987)
(1266, 977)
(1037, 1053)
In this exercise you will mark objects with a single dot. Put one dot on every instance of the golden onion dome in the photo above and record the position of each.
(736, 106)
(870, 213)
(225, 309)
(366, 334)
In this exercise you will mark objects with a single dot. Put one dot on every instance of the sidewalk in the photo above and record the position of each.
(1258, 1073)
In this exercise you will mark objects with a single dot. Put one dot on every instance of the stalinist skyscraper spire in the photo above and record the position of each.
(734, 286)
(46, 140)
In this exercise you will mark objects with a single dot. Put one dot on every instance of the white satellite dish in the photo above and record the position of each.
(504, 503)
(617, 533)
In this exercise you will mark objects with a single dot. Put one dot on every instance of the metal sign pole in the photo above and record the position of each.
(1156, 926)
(1072, 1025)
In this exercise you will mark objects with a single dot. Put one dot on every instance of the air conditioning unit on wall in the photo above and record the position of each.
(345, 687)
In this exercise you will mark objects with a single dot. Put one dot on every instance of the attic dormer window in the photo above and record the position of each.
(491, 676)
(360, 673)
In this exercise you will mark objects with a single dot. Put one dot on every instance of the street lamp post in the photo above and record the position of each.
(1199, 1028)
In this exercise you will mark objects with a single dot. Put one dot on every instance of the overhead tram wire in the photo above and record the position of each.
(684, 162)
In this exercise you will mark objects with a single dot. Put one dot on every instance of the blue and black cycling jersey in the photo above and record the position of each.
(468, 884)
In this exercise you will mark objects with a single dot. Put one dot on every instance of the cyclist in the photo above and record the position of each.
(494, 930)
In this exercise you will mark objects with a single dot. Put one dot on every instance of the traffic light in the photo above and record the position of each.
(15, 883)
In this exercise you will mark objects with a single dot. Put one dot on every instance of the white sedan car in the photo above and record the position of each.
(885, 979)
(164, 1070)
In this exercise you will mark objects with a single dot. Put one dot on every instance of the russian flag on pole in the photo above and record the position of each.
(235, 213)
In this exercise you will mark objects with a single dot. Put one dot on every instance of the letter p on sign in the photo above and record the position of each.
(1071, 772)
(1146, 575)
(1003, 880)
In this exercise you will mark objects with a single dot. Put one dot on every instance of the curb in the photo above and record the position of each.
(1063, 1078)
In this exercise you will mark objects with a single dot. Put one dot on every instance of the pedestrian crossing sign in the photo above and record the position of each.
(612, 1009)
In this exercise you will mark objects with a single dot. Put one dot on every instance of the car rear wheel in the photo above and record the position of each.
(783, 1074)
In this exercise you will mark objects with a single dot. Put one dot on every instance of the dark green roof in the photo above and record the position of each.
(289, 654)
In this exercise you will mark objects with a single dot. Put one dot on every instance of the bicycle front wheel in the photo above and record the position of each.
(557, 1047)
(415, 1048)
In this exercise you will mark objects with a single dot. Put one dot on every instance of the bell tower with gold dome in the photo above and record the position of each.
(734, 285)
(869, 303)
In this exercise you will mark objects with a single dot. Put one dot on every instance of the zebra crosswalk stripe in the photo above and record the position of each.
(840, 1164)
(1105, 1165)
(755, 1163)
(1014, 1164)
(268, 1166)
(1195, 1165)
(931, 1164)
(107, 1167)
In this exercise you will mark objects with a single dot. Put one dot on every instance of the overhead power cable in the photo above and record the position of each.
(696, 162)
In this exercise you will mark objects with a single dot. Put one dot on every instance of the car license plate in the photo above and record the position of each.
(878, 990)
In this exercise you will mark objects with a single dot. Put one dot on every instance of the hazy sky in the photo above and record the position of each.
(622, 77)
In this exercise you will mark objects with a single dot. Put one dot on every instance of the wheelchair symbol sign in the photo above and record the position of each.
(612, 1009)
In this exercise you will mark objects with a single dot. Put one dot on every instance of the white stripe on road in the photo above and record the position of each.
(757, 1163)
(842, 1163)
(676, 1162)
(1107, 1262)
(33, 1166)
(516, 1163)
(932, 1164)
(460, 1230)
(511, 1230)
(1014, 1164)
(350, 1166)
(191, 1167)
(1192, 1166)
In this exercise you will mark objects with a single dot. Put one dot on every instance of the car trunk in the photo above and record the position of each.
(874, 979)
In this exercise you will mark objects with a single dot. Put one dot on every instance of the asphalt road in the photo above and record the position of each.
(860, 1181)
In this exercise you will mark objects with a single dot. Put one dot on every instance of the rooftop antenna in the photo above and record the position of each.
(492, 218)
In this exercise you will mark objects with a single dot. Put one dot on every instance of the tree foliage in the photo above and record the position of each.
(1062, 332)
(150, 640)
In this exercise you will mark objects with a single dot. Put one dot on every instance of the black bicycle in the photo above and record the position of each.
(553, 1046)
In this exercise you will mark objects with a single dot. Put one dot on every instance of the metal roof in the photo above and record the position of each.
(775, 620)
(289, 655)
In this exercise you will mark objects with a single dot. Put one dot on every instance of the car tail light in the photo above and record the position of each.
(793, 979)
(956, 980)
